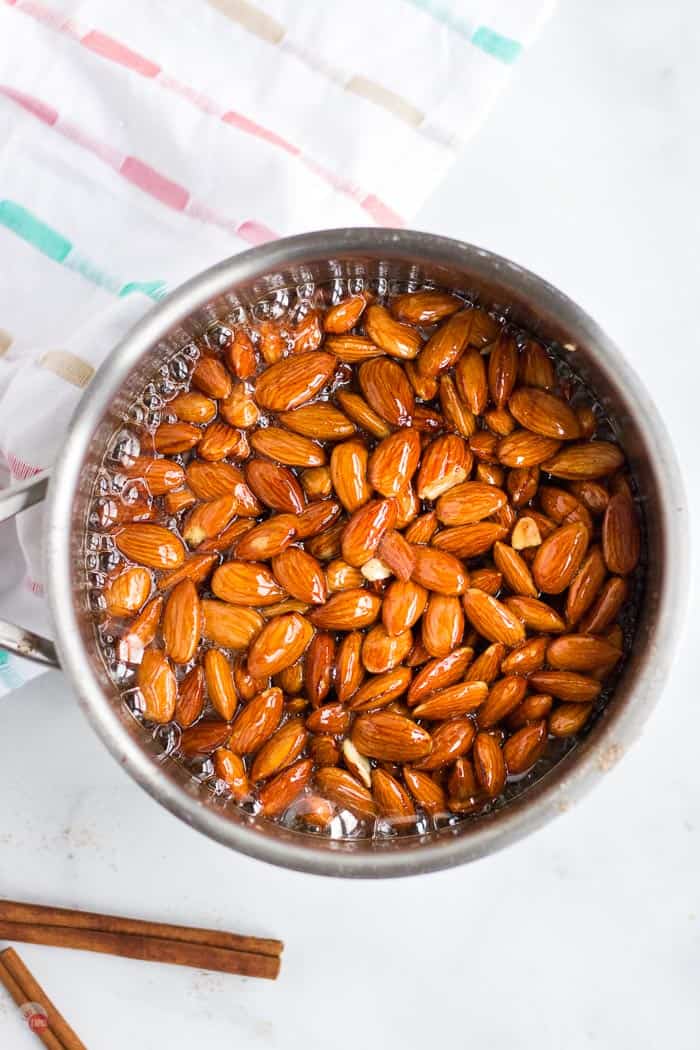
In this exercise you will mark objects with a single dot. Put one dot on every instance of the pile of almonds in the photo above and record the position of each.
(372, 562)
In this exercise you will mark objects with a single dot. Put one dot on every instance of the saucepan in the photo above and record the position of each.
(406, 259)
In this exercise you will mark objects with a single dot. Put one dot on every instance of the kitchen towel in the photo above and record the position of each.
(140, 143)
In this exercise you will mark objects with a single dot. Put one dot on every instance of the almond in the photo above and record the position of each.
(566, 685)
(316, 482)
(182, 622)
(487, 579)
(210, 481)
(522, 448)
(365, 529)
(439, 571)
(256, 722)
(536, 368)
(240, 355)
(442, 625)
(490, 474)
(210, 376)
(246, 583)
(525, 747)
(472, 385)
(438, 674)
(229, 625)
(209, 519)
(621, 535)
(341, 577)
(558, 558)
(349, 474)
(454, 700)
(126, 593)
(503, 368)
(536, 614)
(590, 459)
(157, 685)
(522, 484)
(279, 644)
(283, 748)
(592, 494)
(532, 709)
(395, 338)
(151, 545)
(382, 651)
(393, 801)
(320, 660)
(294, 381)
(397, 554)
(569, 719)
(380, 689)
(140, 632)
(279, 794)
(484, 446)
(160, 475)
(582, 652)
(190, 698)
(427, 793)
(275, 486)
(529, 656)
(176, 502)
(407, 506)
(301, 575)
(403, 605)
(353, 348)
(320, 421)
(470, 502)
(219, 440)
(171, 438)
(220, 684)
(388, 391)
(424, 387)
(361, 414)
(462, 783)
(446, 344)
(455, 411)
(389, 737)
(246, 686)
(229, 767)
(290, 449)
(492, 618)
(450, 740)
(346, 792)
(314, 811)
(504, 696)
(486, 667)
(544, 413)
(445, 463)
(425, 307)
(192, 407)
(394, 461)
(268, 539)
(514, 568)
(307, 334)
(470, 541)
(525, 534)
(344, 315)
(331, 718)
(611, 599)
(422, 529)
(489, 764)
(204, 738)
(228, 539)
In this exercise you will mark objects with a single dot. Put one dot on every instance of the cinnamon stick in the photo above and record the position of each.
(33, 991)
(18, 911)
(148, 948)
(20, 998)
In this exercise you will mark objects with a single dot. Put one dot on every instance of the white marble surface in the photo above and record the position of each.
(585, 935)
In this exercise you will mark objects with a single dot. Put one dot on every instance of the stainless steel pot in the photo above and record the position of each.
(401, 256)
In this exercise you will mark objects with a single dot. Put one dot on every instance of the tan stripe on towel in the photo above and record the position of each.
(381, 96)
(251, 18)
(5, 341)
(68, 366)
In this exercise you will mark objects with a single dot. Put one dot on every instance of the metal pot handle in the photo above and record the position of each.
(16, 639)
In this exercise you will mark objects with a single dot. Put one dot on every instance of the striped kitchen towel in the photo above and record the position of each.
(140, 143)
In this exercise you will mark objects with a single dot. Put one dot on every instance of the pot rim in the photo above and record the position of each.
(574, 774)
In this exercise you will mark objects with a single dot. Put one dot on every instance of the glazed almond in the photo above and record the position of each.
(294, 381)
(388, 391)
